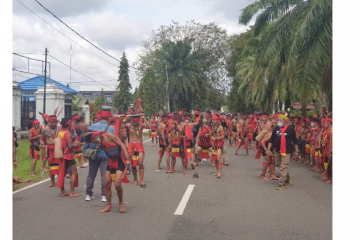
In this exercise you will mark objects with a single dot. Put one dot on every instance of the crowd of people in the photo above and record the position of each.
(113, 143)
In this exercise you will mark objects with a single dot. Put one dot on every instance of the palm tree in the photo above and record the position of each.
(186, 76)
(296, 45)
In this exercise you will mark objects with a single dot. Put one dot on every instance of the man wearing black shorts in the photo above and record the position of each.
(163, 133)
(67, 161)
(113, 147)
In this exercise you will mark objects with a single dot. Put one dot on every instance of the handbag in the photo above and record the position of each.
(113, 153)
(58, 152)
(91, 153)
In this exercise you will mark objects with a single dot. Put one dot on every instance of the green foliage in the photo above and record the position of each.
(311, 113)
(99, 102)
(286, 56)
(194, 55)
(151, 92)
(123, 98)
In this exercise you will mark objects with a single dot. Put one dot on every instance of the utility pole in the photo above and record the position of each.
(46, 52)
(167, 90)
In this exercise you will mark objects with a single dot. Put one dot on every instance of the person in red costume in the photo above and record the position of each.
(217, 138)
(34, 138)
(43, 127)
(153, 125)
(76, 130)
(67, 161)
(136, 147)
(327, 149)
(203, 141)
(49, 135)
(186, 128)
(177, 143)
(116, 166)
(163, 133)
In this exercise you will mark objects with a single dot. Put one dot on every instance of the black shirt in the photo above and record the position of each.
(290, 136)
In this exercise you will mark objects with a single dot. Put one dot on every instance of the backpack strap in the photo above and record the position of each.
(107, 127)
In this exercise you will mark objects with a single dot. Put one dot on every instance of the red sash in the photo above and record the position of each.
(283, 141)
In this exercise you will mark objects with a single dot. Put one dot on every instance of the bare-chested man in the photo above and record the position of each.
(49, 135)
(116, 166)
(217, 138)
(177, 143)
(67, 161)
(136, 148)
(34, 138)
(44, 125)
(76, 130)
(203, 141)
(153, 124)
(233, 129)
(269, 161)
(163, 133)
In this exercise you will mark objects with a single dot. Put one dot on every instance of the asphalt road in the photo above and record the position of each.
(237, 206)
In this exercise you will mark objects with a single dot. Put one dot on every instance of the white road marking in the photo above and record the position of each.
(180, 209)
(33, 185)
(21, 189)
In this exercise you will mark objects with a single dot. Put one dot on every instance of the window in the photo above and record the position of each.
(87, 96)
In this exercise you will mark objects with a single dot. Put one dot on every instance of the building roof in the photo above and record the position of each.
(38, 81)
(80, 101)
(97, 88)
(308, 107)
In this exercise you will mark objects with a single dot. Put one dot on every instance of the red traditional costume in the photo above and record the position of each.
(68, 156)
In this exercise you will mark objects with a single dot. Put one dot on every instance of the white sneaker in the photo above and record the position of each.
(103, 199)
(88, 198)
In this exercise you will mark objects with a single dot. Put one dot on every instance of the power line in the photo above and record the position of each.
(78, 33)
(18, 54)
(65, 35)
(32, 53)
(79, 72)
(27, 72)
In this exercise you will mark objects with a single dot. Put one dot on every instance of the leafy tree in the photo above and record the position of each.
(123, 97)
(151, 92)
(99, 102)
(194, 55)
(295, 47)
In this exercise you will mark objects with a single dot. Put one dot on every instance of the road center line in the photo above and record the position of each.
(180, 209)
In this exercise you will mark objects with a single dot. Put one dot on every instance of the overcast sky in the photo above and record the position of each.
(113, 25)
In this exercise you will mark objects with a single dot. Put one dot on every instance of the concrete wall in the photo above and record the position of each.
(16, 100)
(55, 97)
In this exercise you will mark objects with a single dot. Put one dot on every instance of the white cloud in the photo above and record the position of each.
(114, 26)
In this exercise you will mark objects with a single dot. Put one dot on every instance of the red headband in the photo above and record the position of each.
(35, 122)
(186, 118)
(275, 115)
(323, 120)
(135, 119)
(105, 114)
(53, 119)
(44, 116)
(329, 120)
(264, 115)
(112, 119)
(76, 117)
(97, 116)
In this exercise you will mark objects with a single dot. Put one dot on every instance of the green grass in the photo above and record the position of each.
(24, 168)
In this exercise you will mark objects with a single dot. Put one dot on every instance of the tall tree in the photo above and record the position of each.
(297, 45)
(123, 97)
(99, 102)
